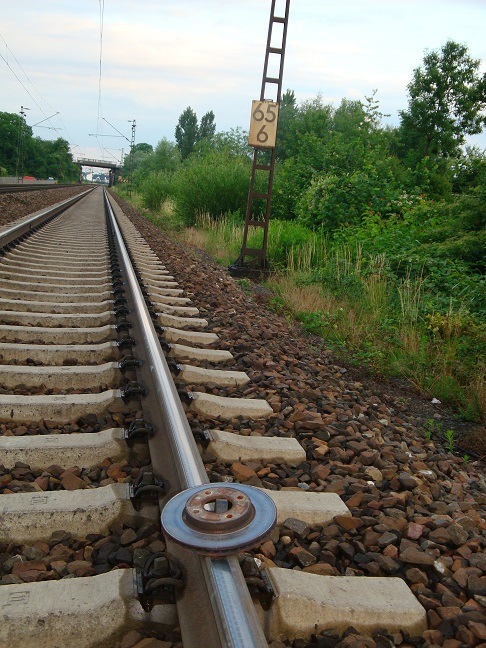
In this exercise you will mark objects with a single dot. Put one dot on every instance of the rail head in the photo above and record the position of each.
(235, 615)
(19, 229)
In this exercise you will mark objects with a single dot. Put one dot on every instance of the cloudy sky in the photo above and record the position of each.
(160, 56)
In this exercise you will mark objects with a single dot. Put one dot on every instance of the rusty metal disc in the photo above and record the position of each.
(219, 519)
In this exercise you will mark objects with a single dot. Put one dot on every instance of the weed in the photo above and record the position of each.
(369, 355)
(450, 437)
(220, 238)
(410, 292)
(277, 304)
(431, 427)
(311, 322)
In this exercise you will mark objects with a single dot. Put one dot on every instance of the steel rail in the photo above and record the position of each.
(11, 233)
(235, 615)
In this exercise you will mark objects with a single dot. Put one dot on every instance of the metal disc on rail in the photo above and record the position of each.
(219, 519)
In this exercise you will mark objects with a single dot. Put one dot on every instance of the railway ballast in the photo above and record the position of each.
(131, 392)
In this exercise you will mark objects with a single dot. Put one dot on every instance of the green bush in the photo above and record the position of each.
(212, 182)
(469, 248)
(332, 201)
(285, 237)
(290, 181)
(155, 189)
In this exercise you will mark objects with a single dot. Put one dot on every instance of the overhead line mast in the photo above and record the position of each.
(132, 151)
(263, 132)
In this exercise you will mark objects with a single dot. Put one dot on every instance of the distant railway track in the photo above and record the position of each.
(14, 188)
(95, 447)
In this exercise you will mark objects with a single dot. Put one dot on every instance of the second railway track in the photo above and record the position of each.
(95, 445)
(38, 186)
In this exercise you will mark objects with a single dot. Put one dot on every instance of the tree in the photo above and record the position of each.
(447, 100)
(50, 158)
(143, 147)
(10, 129)
(186, 132)
(207, 128)
(167, 156)
(39, 158)
(141, 152)
(286, 116)
(334, 151)
(374, 116)
(235, 141)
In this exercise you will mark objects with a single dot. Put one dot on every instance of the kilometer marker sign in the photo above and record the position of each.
(263, 124)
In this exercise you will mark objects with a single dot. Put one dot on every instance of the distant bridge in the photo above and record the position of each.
(101, 164)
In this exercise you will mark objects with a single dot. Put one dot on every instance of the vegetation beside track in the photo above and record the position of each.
(23, 154)
(378, 233)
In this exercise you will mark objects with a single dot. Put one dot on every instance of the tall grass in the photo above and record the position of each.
(375, 318)
(410, 293)
(220, 238)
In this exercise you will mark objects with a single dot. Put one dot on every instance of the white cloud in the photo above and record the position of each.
(160, 56)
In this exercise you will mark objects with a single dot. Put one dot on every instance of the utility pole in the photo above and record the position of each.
(132, 151)
(116, 177)
(262, 136)
(20, 143)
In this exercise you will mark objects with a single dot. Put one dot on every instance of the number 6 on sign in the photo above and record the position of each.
(263, 124)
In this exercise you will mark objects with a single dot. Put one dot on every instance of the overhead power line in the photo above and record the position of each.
(8, 49)
(23, 86)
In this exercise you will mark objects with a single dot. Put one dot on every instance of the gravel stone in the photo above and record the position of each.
(363, 439)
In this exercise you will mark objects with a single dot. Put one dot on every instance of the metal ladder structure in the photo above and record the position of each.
(132, 150)
(256, 217)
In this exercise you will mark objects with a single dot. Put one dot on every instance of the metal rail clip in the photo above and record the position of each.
(126, 343)
(139, 430)
(128, 363)
(147, 487)
(158, 580)
(132, 390)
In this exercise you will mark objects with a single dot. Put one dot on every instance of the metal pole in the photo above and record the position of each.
(19, 173)
(130, 172)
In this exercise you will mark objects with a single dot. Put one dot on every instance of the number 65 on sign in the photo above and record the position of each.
(263, 124)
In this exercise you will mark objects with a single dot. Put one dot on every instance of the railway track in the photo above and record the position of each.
(17, 188)
(96, 454)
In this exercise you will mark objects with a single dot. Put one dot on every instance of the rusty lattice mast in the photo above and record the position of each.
(266, 110)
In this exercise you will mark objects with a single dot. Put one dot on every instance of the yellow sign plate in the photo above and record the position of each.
(263, 124)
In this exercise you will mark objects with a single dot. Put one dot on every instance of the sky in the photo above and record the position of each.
(160, 56)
